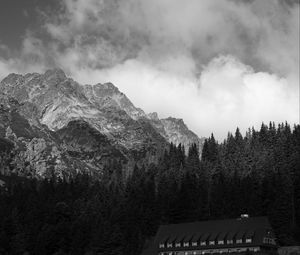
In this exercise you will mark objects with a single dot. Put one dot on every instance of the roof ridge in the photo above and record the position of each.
(217, 220)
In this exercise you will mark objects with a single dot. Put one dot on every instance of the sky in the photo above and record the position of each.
(217, 64)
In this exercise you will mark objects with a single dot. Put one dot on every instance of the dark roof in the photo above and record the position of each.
(249, 234)
(188, 237)
(222, 235)
(204, 237)
(196, 237)
(172, 239)
(180, 238)
(255, 227)
(230, 235)
(213, 235)
(241, 234)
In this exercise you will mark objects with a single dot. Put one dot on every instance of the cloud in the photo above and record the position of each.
(226, 94)
(32, 57)
(217, 64)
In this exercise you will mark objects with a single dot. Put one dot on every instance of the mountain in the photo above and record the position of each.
(178, 132)
(50, 123)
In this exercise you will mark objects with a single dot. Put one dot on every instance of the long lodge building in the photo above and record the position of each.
(242, 235)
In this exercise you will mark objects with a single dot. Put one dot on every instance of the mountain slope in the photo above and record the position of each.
(177, 132)
(37, 151)
(79, 126)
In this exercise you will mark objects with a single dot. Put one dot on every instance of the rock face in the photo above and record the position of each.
(177, 132)
(54, 124)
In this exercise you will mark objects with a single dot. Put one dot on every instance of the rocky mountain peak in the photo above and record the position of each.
(178, 132)
(110, 87)
(49, 103)
(13, 78)
(177, 121)
(104, 90)
(108, 95)
(55, 74)
(153, 116)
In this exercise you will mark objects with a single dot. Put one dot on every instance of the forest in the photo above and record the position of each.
(257, 173)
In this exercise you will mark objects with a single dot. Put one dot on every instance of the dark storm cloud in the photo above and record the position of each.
(106, 33)
(16, 16)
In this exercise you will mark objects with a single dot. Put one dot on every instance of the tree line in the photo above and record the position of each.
(258, 174)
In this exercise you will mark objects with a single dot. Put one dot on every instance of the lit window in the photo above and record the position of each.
(169, 245)
(186, 244)
(239, 241)
(194, 243)
(161, 245)
(177, 245)
(211, 242)
(229, 241)
(249, 240)
(221, 242)
(203, 243)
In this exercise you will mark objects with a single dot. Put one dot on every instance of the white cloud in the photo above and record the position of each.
(227, 94)
(217, 64)
(261, 33)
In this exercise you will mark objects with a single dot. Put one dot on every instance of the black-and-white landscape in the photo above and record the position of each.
(119, 116)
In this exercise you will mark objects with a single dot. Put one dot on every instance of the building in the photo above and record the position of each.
(242, 235)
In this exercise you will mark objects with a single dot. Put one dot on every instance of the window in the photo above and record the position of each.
(211, 242)
(186, 244)
(194, 243)
(269, 240)
(169, 245)
(229, 241)
(161, 245)
(248, 240)
(221, 242)
(203, 243)
(239, 241)
(177, 244)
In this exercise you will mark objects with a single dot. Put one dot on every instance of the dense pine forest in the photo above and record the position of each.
(258, 174)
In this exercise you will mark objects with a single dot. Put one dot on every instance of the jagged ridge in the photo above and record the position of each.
(48, 107)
